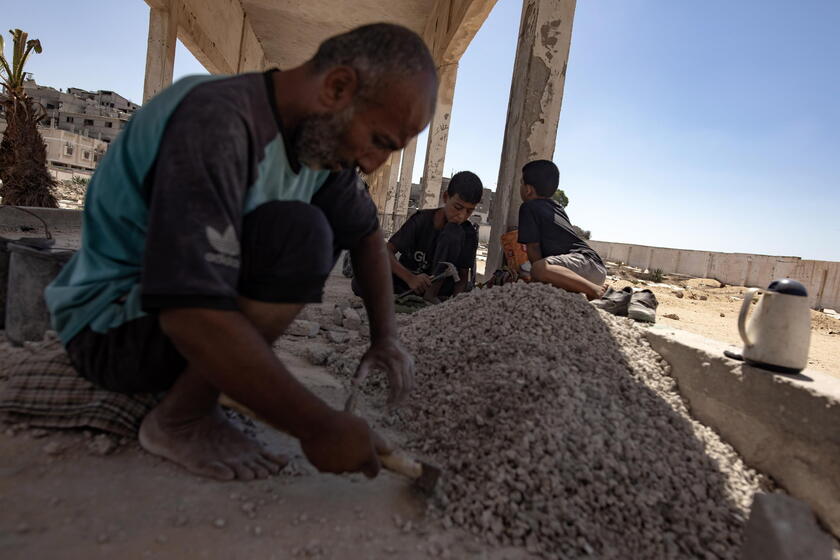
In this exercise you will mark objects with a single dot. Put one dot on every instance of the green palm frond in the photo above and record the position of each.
(5, 71)
(12, 70)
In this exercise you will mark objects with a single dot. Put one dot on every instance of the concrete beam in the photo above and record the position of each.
(218, 34)
(212, 31)
(536, 93)
(451, 26)
(438, 136)
(251, 54)
(160, 51)
(782, 425)
(404, 188)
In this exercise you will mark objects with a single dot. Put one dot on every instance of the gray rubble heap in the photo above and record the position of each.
(559, 429)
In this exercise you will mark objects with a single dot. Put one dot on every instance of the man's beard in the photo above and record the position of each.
(318, 140)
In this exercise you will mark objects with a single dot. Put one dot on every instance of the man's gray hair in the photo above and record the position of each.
(378, 52)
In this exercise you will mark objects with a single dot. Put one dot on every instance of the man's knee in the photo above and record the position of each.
(287, 253)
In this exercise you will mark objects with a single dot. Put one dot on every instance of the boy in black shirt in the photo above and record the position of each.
(430, 237)
(558, 256)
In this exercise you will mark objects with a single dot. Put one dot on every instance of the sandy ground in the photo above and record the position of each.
(60, 500)
(716, 316)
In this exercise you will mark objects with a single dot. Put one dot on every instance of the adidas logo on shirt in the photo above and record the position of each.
(226, 245)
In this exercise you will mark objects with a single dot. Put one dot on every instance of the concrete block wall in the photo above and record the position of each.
(821, 278)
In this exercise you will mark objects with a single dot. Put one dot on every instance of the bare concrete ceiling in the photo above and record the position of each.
(290, 30)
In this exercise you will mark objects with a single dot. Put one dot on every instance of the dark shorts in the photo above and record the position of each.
(287, 254)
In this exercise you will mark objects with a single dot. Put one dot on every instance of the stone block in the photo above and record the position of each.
(783, 528)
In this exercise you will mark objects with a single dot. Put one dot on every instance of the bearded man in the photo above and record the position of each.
(214, 218)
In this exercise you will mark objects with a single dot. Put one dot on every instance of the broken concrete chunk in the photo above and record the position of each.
(338, 337)
(337, 315)
(317, 353)
(302, 327)
(352, 319)
(53, 448)
(101, 445)
(781, 527)
(673, 316)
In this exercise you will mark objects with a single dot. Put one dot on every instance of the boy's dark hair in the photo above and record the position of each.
(543, 175)
(467, 185)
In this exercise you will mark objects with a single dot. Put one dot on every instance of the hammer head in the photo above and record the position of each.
(427, 481)
(450, 272)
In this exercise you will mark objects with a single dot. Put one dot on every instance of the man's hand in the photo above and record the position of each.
(345, 444)
(388, 355)
(419, 283)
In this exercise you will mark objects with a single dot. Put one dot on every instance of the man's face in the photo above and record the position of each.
(365, 133)
(457, 210)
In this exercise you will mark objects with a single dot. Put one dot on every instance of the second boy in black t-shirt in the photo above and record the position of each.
(558, 255)
(430, 237)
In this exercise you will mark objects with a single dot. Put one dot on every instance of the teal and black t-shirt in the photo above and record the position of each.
(164, 210)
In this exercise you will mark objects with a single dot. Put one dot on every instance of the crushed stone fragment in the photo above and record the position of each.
(101, 444)
(53, 448)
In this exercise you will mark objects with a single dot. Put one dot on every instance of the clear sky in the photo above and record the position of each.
(700, 125)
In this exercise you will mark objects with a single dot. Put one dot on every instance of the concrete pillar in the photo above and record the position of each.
(404, 187)
(536, 92)
(160, 52)
(438, 135)
(392, 179)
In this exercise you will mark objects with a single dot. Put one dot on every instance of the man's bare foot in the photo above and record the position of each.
(208, 445)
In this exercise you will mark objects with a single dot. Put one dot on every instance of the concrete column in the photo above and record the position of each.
(391, 179)
(375, 189)
(160, 52)
(536, 93)
(404, 187)
(438, 135)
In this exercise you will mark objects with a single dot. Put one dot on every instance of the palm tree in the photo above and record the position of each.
(23, 155)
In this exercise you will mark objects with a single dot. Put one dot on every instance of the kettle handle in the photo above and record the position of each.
(742, 316)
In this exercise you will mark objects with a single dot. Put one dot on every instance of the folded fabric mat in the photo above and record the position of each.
(43, 390)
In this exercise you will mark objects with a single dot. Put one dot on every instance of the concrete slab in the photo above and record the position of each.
(64, 225)
(783, 528)
(62, 218)
(785, 426)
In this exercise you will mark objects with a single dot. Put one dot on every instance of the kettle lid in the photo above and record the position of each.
(787, 286)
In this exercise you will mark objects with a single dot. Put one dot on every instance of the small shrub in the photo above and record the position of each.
(657, 275)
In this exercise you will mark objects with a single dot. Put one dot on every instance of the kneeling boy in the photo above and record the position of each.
(558, 255)
(430, 237)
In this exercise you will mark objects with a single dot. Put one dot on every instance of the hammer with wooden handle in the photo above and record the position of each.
(450, 272)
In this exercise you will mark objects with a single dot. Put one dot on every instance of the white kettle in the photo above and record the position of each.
(778, 334)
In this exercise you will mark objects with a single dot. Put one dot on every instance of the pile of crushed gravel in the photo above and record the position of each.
(560, 430)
